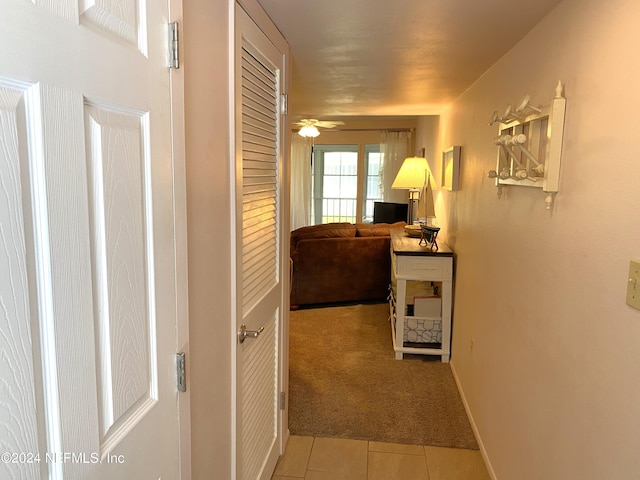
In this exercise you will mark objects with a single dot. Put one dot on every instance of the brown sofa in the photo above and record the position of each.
(340, 262)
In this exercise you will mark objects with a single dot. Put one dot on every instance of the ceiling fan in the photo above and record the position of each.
(309, 126)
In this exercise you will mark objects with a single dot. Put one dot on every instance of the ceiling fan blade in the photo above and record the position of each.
(312, 122)
(328, 124)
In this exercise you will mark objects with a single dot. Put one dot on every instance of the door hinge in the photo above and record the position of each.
(181, 374)
(283, 400)
(285, 102)
(174, 55)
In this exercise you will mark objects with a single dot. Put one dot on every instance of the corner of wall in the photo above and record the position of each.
(209, 245)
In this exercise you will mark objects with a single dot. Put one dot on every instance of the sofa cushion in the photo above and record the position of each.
(376, 229)
(327, 230)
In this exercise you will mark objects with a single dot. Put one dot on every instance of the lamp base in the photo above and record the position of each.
(414, 198)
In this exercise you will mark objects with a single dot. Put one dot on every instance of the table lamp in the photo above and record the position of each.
(413, 175)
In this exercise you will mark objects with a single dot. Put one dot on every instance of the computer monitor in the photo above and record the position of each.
(388, 212)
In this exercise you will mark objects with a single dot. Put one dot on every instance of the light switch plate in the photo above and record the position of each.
(633, 286)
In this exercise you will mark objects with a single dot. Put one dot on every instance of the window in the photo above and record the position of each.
(372, 186)
(335, 183)
(345, 182)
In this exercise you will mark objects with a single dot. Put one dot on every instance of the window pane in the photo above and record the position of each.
(328, 207)
(332, 163)
(331, 187)
(374, 164)
(371, 184)
(348, 187)
(373, 187)
(335, 183)
(349, 163)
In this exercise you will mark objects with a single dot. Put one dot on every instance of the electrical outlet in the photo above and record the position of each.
(633, 286)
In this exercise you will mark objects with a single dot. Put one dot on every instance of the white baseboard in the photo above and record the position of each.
(483, 451)
(284, 441)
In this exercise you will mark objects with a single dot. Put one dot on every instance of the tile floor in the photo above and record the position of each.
(316, 458)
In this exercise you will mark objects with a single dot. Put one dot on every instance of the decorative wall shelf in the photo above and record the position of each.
(529, 145)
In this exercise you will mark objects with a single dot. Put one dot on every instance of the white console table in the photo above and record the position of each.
(411, 261)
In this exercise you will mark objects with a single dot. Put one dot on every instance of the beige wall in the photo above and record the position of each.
(347, 138)
(206, 64)
(552, 380)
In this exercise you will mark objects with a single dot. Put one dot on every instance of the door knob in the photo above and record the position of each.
(244, 333)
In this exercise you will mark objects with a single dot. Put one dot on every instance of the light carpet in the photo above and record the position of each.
(345, 382)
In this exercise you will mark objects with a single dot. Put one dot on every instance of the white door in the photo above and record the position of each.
(87, 256)
(259, 67)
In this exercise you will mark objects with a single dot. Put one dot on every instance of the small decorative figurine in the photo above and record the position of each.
(429, 234)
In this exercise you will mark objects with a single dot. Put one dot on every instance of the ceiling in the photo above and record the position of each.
(401, 57)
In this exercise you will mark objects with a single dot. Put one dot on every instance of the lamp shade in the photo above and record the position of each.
(412, 173)
(308, 131)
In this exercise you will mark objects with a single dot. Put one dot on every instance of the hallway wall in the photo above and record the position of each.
(206, 64)
(552, 378)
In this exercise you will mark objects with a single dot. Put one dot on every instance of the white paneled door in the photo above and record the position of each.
(259, 68)
(87, 255)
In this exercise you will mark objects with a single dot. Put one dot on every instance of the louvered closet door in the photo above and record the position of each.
(258, 70)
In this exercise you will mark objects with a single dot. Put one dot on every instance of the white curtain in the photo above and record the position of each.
(300, 181)
(394, 147)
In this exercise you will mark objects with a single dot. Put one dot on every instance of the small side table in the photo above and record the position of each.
(410, 261)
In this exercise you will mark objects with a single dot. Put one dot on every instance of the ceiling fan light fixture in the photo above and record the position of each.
(308, 131)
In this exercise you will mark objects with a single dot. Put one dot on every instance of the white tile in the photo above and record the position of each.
(296, 457)
(396, 448)
(312, 475)
(396, 466)
(338, 455)
(455, 464)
